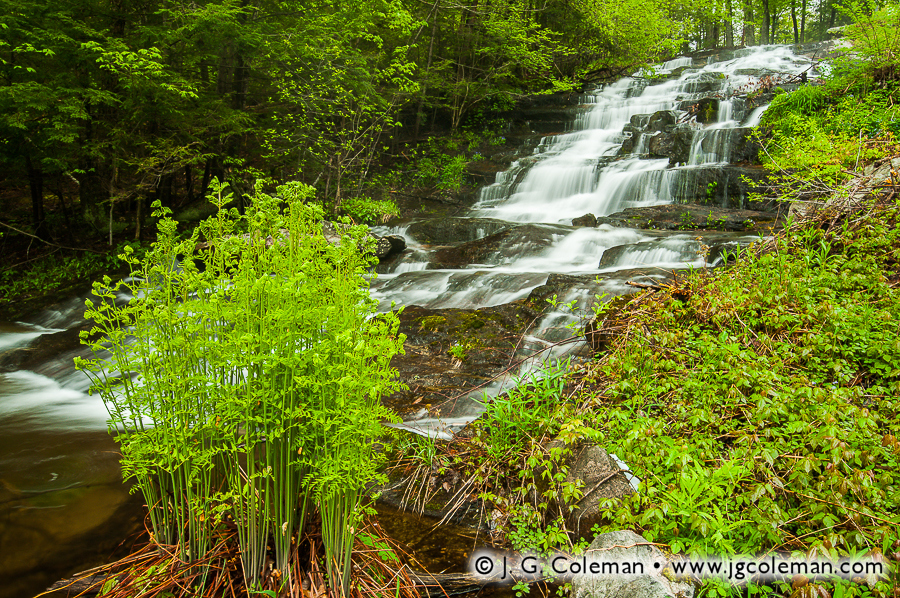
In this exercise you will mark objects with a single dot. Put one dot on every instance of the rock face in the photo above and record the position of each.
(693, 217)
(449, 350)
(384, 246)
(602, 480)
(628, 547)
(706, 110)
(674, 145)
(663, 120)
(454, 230)
(586, 220)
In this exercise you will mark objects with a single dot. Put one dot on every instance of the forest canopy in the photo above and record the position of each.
(106, 106)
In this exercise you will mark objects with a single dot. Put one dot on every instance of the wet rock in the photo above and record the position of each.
(588, 220)
(723, 186)
(671, 250)
(441, 231)
(601, 479)
(706, 110)
(745, 146)
(663, 120)
(499, 248)
(397, 242)
(675, 145)
(755, 72)
(639, 121)
(623, 547)
(450, 350)
(694, 217)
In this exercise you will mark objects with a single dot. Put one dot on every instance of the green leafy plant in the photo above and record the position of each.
(243, 380)
(367, 210)
(760, 413)
(686, 221)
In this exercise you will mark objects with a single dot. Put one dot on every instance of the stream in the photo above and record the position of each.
(631, 144)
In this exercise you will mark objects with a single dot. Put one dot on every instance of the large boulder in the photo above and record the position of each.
(445, 231)
(694, 217)
(601, 479)
(664, 120)
(706, 110)
(588, 220)
(674, 145)
(626, 547)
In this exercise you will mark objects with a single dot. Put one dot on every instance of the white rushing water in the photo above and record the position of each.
(570, 175)
(532, 204)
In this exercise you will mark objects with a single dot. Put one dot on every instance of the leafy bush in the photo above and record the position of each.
(243, 381)
(367, 210)
(875, 35)
(514, 420)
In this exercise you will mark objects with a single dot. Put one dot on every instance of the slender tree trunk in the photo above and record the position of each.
(137, 220)
(764, 38)
(65, 211)
(729, 25)
(188, 184)
(803, 22)
(36, 184)
(749, 31)
(424, 90)
(794, 21)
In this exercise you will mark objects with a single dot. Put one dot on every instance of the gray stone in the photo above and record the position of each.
(622, 547)
(397, 242)
(601, 480)
(587, 220)
(675, 145)
(442, 231)
(662, 120)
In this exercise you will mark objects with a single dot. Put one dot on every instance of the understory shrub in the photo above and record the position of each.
(243, 380)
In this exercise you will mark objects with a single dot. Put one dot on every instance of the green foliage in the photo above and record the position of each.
(45, 275)
(625, 35)
(761, 414)
(244, 380)
(875, 34)
(525, 413)
(369, 211)
(819, 134)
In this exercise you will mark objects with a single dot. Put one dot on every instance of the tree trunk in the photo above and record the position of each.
(748, 34)
(794, 20)
(424, 90)
(65, 210)
(36, 183)
(803, 22)
(188, 184)
(207, 177)
(729, 25)
(764, 38)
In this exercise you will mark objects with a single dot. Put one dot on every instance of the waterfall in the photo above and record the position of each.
(573, 175)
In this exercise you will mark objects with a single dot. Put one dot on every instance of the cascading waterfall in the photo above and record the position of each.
(572, 177)
(604, 163)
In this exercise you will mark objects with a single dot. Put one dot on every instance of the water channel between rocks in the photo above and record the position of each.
(630, 145)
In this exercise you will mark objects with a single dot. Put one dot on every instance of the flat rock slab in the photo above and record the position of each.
(693, 217)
